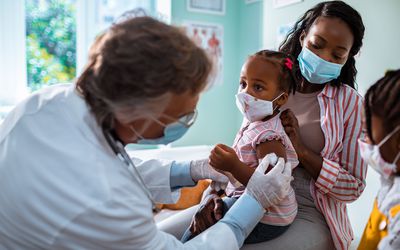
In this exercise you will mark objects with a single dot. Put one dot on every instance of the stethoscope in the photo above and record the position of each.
(121, 153)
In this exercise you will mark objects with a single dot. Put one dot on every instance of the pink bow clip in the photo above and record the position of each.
(289, 63)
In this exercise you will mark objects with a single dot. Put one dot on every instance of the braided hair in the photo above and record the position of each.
(338, 9)
(383, 100)
(287, 68)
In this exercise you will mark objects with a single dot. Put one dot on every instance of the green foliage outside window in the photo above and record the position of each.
(51, 42)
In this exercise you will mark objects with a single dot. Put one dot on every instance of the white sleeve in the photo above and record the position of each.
(156, 175)
(392, 240)
(129, 225)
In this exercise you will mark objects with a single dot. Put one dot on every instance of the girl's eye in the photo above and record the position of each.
(258, 87)
(242, 84)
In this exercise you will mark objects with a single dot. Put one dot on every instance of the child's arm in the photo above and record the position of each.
(274, 146)
(224, 158)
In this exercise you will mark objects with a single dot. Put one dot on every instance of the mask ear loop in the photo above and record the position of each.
(137, 133)
(276, 99)
(386, 139)
(398, 154)
(388, 136)
(397, 158)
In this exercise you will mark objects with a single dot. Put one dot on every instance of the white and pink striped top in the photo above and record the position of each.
(249, 136)
(343, 173)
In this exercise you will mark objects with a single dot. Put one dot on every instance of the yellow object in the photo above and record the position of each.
(394, 211)
(376, 228)
(190, 196)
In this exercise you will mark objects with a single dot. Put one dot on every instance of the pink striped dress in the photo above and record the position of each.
(247, 139)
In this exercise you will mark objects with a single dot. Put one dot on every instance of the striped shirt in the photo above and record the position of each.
(343, 172)
(247, 139)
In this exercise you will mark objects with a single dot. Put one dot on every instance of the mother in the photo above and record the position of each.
(323, 121)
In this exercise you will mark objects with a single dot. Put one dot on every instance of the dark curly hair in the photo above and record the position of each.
(336, 9)
(287, 66)
(383, 100)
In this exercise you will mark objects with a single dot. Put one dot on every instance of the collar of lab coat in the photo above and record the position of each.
(81, 116)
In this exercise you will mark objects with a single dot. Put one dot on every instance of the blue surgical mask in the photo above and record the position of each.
(315, 69)
(172, 132)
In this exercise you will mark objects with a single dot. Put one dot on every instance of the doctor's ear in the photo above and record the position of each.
(282, 99)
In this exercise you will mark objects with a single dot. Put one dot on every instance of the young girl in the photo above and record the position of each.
(264, 86)
(381, 150)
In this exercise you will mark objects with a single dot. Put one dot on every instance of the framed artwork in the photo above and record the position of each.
(210, 37)
(283, 3)
(216, 7)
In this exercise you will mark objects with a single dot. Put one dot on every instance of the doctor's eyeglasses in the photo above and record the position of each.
(186, 120)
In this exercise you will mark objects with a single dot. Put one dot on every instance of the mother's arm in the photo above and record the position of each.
(343, 178)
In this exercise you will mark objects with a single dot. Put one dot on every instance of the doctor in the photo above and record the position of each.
(66, 181)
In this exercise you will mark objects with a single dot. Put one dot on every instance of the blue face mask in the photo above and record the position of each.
(315, 69)
(172, 132)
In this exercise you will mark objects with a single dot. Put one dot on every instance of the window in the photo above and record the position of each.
(50, 42)
(44, 42)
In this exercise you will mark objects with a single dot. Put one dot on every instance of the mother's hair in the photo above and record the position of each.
(136, 65)
(332, 9)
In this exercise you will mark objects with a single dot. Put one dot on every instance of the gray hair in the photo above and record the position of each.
(136, 65)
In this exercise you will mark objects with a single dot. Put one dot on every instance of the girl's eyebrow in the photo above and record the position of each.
(259, 80)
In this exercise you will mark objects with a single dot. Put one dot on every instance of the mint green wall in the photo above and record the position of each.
(250, 28)
(219, 119)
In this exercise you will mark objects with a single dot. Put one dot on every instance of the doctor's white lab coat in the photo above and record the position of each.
(62, 187)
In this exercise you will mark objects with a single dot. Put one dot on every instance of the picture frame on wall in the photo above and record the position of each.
(216, 7)
(210, 37)
(284, 3)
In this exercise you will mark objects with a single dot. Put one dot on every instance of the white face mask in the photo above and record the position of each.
(254, 109)
(372, 156)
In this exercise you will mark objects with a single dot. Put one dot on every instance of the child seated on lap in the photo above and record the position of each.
(265, 83)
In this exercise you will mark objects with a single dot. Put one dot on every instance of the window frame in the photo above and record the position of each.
(13, 66)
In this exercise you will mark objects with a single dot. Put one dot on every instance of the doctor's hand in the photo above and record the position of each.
(200, 169)
(269, 189)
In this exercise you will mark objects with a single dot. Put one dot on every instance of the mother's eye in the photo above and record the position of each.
(315, 46)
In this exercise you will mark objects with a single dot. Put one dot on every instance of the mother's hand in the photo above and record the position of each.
(291, 126)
